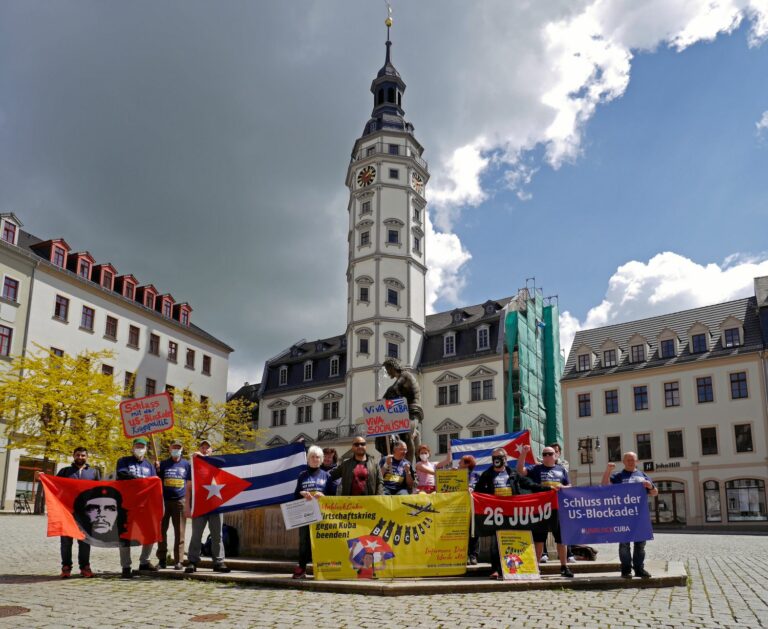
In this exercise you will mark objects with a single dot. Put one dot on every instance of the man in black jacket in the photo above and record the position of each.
(502, 480)
(360, 476)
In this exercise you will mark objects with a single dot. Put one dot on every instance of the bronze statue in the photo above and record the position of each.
(405, 386)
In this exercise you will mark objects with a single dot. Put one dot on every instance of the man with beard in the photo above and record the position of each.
(100, 515)
(80, 470)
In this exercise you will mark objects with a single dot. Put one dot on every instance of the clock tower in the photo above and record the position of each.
(386, 268)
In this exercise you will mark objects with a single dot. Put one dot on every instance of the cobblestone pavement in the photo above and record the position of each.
(728, 588)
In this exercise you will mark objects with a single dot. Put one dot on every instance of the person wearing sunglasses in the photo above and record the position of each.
(360, 476)
(549, 474)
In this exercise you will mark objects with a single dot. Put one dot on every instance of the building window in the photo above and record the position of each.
(675, 444)
(130, 290)
(739, 385)
(745, 498)
(278, 417)
(394, 173)
(61, 308)
(58, 257)
(304, 414)
(107, 370)
(483, 338)
(583, 362)
(393, 350)
(57, 352)
(167, 308)
(371, 149)
(704, 389)
(393, 236)
(363, 346)
(712, 508)
(613, 444)
(671, 394)
(129, 385)
(110, 329)
(641, 398)
(185, 317)
(481, 390)
(173, 351)
(393, 297)
(444, 441)
(150, 386)
(449, 345)
(668, 348)
(190, 361)
(644, 446)
(149, 300)
(732, 337)
(585, 405)
(206, 365)
(637, 353)
(609, 358)
(154, 344)
(364, 294)
(709, 440)
(9, 232)
(330, 410)
(133, 336)
(417, 215)
(612, 402)
(308, 371)
(282, 378)
(699, 343)
(106, 279)
(394, 149)
(365, 208)
(447, 394)
(743, 434)
(417, 244)
(86, 318)
(365, 238)
(11, 289)
(6, 336)
(334, 366)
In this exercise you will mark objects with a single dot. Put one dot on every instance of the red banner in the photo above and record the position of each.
(497, 513)
(104, 513)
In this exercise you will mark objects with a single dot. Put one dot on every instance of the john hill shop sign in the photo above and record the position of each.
(650, 466)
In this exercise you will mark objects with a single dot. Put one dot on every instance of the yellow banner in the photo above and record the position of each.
(448, 481)
(517, 554)
(384, 537)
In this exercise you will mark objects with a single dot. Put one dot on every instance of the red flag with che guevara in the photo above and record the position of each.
(104, 513)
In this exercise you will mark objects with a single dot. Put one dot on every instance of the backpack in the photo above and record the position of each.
(230, 540)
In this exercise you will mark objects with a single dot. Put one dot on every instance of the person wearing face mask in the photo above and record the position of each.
(425, 470)
(313, 483)
(501, 480)
(128, 467)
(80, 470)
(175, 473)
(396, 471)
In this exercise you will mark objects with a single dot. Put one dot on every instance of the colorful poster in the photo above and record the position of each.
(104, 513)
(386, 417)
(385, 537)
(146, 415)
(494, 513)
(517, 554)
(449, 481)
(605, 514)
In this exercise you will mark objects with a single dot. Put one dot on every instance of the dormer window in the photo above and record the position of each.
(9, 232)
(483, 338)
(583, 362)
(449, 344)
(308, 370)
(107, 279)
(129, 290)
(698, 343)
(84, 269)
(667, 348)
(167, 308)
(334, 367)
(609, 358)
(282, 376)
(185, 317)
(637, 353)
(58, 256)
(731, 337)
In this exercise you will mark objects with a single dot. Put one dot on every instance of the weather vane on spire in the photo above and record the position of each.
(388, 21)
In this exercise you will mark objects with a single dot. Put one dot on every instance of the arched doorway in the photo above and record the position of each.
(668, 507)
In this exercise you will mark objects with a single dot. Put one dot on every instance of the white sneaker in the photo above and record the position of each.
(544, 558)
(571, 559)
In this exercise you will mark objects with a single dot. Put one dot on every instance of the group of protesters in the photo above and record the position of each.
(101, 512)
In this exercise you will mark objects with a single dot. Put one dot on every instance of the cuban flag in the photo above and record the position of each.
(481, 448)
(232, 482)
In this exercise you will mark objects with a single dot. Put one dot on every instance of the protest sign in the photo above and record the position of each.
(366, 537)
(449, 481)
(146, 415)
(602, 515)
(494, 513)
(386, 417)
(517, 554)
(300, 512)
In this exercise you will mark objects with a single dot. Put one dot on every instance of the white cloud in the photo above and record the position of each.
(668, 282)
(762, 124)
(445, 258)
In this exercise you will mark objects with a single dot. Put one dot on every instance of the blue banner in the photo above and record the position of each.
(604, 515)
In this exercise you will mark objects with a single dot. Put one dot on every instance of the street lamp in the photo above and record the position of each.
(588, 444)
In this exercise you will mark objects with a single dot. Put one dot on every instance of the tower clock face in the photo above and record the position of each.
(366, 176)
(417, 183)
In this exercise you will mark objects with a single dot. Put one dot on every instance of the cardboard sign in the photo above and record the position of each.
(517, 554)
(146, 415)
(449, 481)
(386, 417)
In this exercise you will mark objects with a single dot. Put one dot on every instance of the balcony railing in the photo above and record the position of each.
(383, 148)
(344, 431)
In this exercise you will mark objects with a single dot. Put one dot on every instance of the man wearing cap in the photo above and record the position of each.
(214, 521)
(128, 467)
(175, 473)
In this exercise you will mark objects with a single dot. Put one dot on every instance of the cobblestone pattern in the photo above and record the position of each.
(728, 588)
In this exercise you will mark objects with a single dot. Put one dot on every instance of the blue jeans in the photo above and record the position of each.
(631, 560)
(83, 552)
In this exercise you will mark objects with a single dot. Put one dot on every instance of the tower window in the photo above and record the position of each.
(394, 173)
(393, 236)
(417, 244)
(364, 294)
(393, 297)
(363, 346)
(365, 208)
(380, 97)
(417, 215)
(393, 350)
(365, 238)
(394, 149)
(391, 95)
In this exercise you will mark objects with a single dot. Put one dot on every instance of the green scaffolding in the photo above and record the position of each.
(535, 365)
